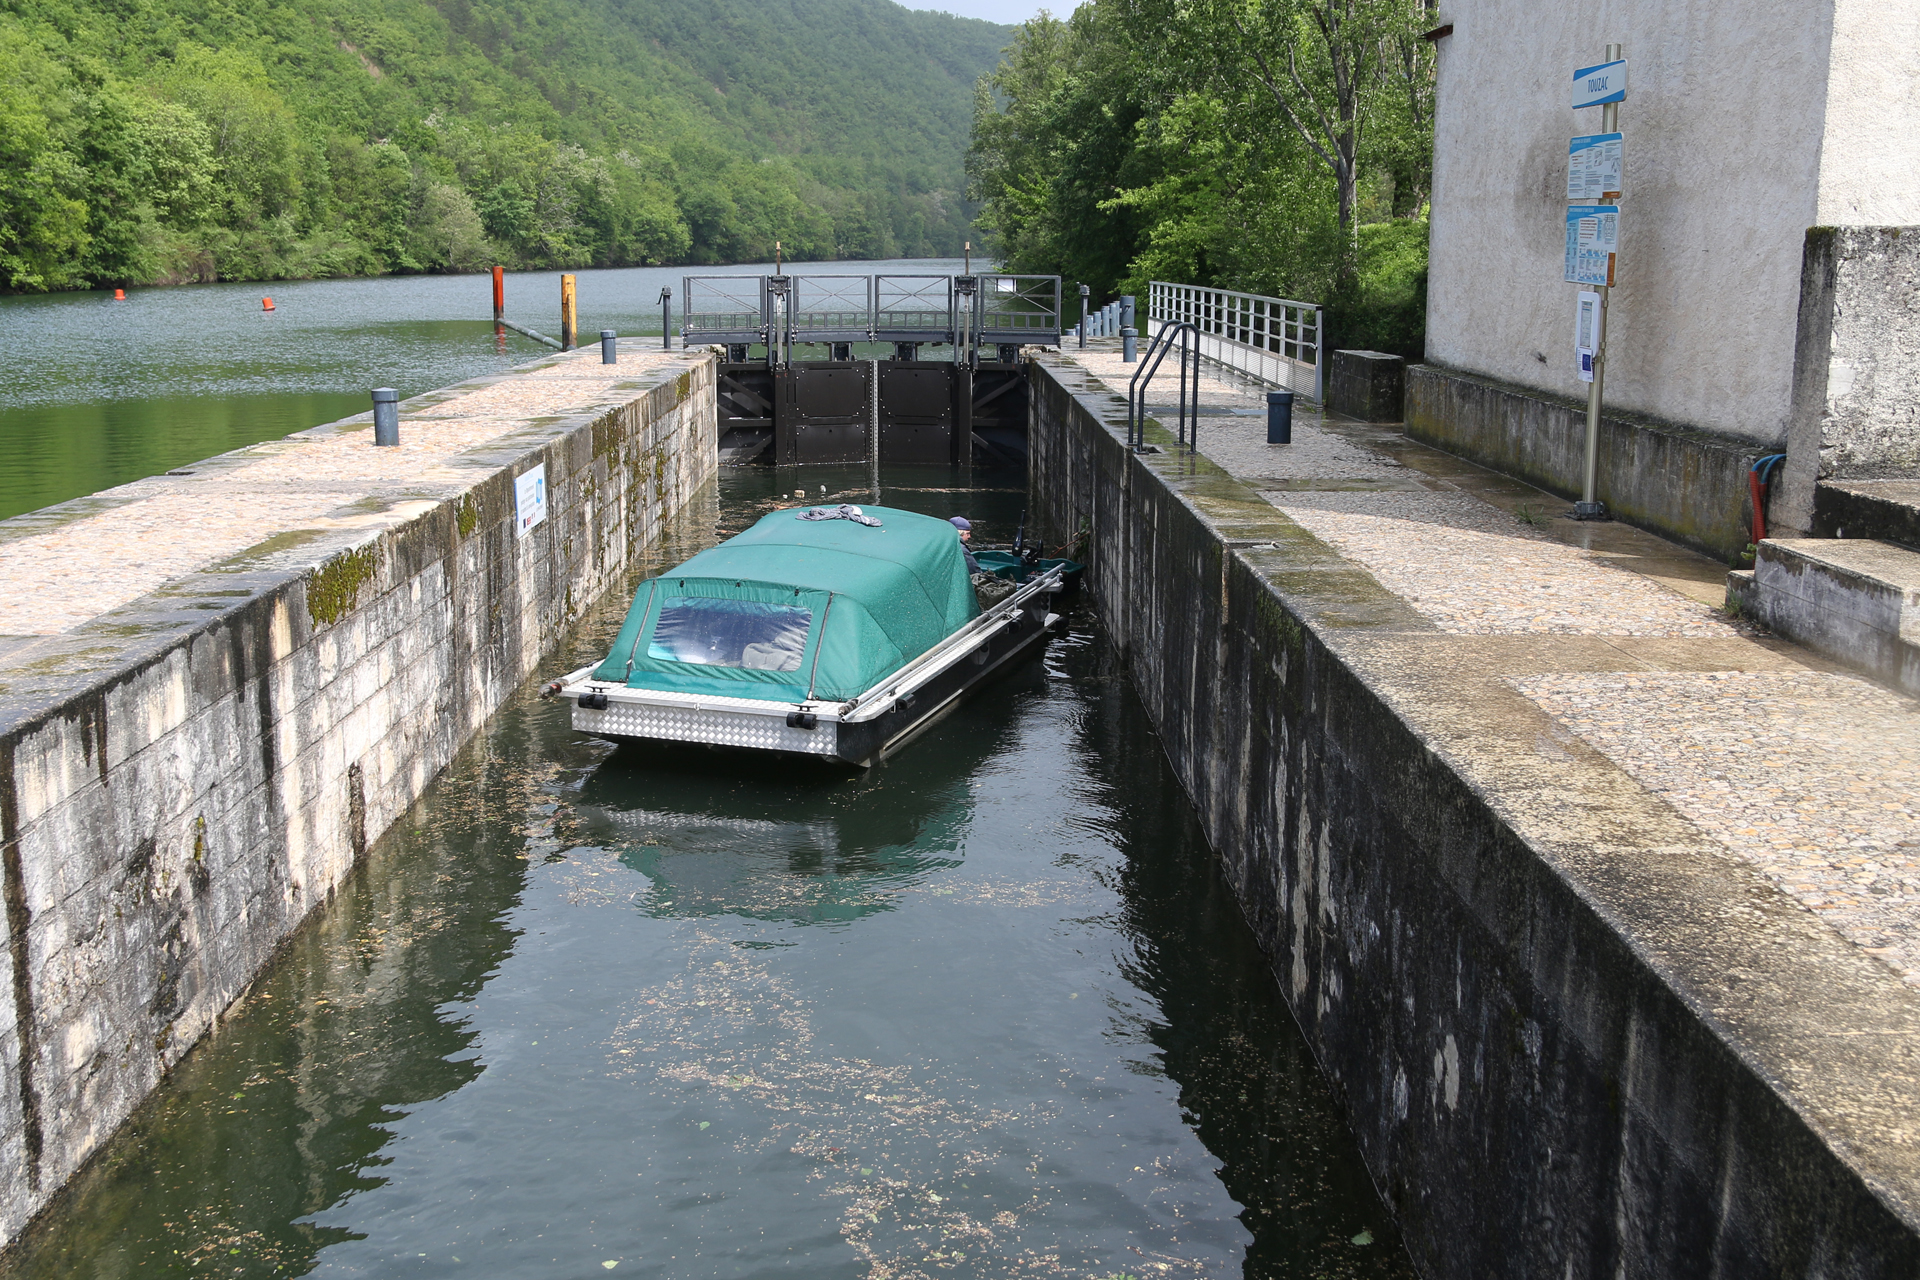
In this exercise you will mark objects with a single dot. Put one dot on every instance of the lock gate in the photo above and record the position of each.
(780, 403)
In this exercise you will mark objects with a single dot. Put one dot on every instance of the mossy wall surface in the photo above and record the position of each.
(1508, 960)
(167, 820)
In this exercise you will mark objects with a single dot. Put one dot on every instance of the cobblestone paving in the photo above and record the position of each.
(1475, 570)
(167, 526)
(1465, 564)
(1813, 777)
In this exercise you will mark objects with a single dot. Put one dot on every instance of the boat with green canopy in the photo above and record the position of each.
(835, 632)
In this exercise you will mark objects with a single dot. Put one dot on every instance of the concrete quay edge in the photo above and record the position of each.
(185, 778)
(1575, 1036)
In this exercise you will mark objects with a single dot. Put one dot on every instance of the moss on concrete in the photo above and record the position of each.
(334, 589)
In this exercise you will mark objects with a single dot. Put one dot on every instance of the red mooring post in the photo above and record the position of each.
(499, 294)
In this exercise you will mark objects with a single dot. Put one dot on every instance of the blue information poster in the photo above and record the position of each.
(1593, 243)
(1594, 168)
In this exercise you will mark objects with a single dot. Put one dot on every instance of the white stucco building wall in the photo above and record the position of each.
(1745, 125)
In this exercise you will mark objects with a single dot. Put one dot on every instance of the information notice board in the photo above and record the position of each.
(1593, 241)
(1595, 168)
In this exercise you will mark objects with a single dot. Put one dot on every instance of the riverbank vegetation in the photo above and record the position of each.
(1278, 146)
(157, 141)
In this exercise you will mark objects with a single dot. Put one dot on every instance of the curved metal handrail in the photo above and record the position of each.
(1156, 353)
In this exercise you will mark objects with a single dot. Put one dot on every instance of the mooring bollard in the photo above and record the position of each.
(386, 416)
(1279, 417)
(1130, 345)
(666, 318)
(607, 355)
(1084, 291)
(499, 294)
(569, 325)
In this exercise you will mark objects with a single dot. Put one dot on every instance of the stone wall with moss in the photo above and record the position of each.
(167, 821)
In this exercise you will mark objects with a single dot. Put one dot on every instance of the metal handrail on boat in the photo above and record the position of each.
(992, 619)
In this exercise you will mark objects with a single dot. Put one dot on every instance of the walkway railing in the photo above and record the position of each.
(1274, 339)
(984, 310)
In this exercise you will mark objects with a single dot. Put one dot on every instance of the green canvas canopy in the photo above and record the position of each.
(795, 609)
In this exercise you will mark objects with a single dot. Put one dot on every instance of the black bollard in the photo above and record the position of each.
(1279, 417)
(666, 318)
(607, 355)
(386, 416)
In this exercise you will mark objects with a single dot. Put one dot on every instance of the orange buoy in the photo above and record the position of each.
(119, 295)
(266, 304)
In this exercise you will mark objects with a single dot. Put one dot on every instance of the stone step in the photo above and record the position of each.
(1855, 600)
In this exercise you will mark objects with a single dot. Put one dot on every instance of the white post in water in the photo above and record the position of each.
(1594, 165)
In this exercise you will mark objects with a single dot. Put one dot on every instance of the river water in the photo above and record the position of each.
(986, 1010)
(96, 393)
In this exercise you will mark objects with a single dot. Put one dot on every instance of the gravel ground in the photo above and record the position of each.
(1812, 777)
(174, 525)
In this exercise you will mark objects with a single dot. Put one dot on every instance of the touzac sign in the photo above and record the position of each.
(1597, 86)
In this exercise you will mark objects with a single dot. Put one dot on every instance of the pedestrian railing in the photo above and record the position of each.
(1274, 339)
(985, 310)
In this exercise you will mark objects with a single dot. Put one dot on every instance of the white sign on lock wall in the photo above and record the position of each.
(530, 499)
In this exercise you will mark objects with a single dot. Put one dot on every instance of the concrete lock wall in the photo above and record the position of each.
(1525, 1036)
(168, 825)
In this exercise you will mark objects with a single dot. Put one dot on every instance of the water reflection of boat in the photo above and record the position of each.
(835, 634)
(796, 847)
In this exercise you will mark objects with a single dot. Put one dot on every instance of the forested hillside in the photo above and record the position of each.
(1278, 146)
(170, 140)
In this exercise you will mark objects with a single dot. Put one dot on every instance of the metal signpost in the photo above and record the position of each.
(1595, 173)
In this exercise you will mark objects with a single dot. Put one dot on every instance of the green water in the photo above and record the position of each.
(96, 393)
(985, 1011)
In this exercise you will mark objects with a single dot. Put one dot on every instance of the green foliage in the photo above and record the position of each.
(171, 140)
(1276, 146)
(1383, 306)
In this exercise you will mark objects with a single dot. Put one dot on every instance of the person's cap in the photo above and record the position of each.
(960, 522)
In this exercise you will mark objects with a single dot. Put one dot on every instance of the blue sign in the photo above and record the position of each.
(1593, 243)
(1594, 165)
(1597, 86)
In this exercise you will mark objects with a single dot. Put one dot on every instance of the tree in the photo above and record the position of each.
(1335, 69)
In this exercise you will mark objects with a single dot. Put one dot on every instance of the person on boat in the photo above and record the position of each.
(965, 526)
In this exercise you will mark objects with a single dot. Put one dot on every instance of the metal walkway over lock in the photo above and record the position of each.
(968, 408)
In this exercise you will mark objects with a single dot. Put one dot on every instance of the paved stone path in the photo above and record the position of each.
(62, 573)
(1810, 774)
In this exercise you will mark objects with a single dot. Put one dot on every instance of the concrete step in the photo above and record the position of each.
(1854, 600)
(1888, 509)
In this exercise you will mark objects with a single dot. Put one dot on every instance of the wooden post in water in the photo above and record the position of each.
(499, 294)
(569, 325)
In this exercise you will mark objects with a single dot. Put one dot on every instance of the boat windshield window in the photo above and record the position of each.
(731, 633)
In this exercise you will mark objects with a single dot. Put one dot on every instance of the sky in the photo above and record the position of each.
(1008, 11)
